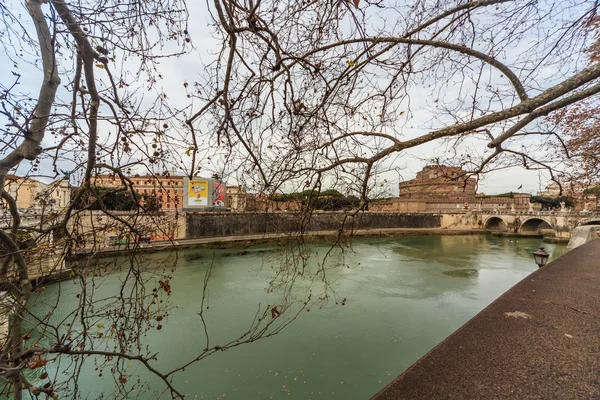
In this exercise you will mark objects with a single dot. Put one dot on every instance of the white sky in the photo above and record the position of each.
(190, 66)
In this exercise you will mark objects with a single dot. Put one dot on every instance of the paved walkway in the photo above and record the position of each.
(540, 340)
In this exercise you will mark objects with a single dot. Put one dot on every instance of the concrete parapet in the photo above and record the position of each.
(582, 235)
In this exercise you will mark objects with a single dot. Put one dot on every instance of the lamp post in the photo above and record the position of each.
(541, 257)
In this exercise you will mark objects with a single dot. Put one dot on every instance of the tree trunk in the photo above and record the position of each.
(29, 149)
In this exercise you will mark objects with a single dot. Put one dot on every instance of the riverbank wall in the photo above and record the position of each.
(103, 229)
(100, 228)
(199, 225)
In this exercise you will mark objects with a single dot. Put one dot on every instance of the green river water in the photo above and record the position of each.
(404, 296)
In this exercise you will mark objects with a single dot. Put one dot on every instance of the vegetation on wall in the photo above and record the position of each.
(549, 203)
(510, 195)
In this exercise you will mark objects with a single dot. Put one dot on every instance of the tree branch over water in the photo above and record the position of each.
(290, 96)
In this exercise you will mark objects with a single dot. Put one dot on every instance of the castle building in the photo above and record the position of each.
(439, 181)
(438, 188)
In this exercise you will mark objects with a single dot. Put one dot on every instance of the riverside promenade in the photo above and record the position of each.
(539, 340)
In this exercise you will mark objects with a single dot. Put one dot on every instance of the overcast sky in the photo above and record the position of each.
(188, 67)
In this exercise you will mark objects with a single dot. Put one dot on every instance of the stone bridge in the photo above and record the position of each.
(534, 223)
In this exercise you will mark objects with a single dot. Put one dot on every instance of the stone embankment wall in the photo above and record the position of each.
(225, 224)
(96, 226)
(464, 220)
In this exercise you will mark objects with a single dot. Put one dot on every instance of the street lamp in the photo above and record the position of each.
(540, 257)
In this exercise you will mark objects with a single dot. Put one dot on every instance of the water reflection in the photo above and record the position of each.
(462, 273)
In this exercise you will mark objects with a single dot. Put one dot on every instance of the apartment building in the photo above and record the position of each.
(167, 189)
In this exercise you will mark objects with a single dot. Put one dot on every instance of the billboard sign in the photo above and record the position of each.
(204, 194)
(197, 193)
(218, 194)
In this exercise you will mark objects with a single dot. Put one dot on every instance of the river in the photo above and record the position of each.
(404, 296)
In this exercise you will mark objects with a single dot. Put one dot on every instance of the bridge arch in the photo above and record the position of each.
(534, 226)
(495, 224)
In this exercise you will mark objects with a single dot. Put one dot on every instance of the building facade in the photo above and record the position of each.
(520, 202)
(56, 194)
(166, 189)
(23, 189)
(31, 194)
(576, 192)
(236, 198)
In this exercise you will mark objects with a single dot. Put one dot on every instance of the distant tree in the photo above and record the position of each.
(108, 198)
(327, 200)
(331, 193)
(550, 203)
(335, 203)
(510, 195)
(593, 191)
(151, 203)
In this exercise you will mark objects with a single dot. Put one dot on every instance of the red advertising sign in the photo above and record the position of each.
(218, 194)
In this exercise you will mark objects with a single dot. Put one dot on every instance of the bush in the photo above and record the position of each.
(113, 199)
(549, 203)
(327, 200)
